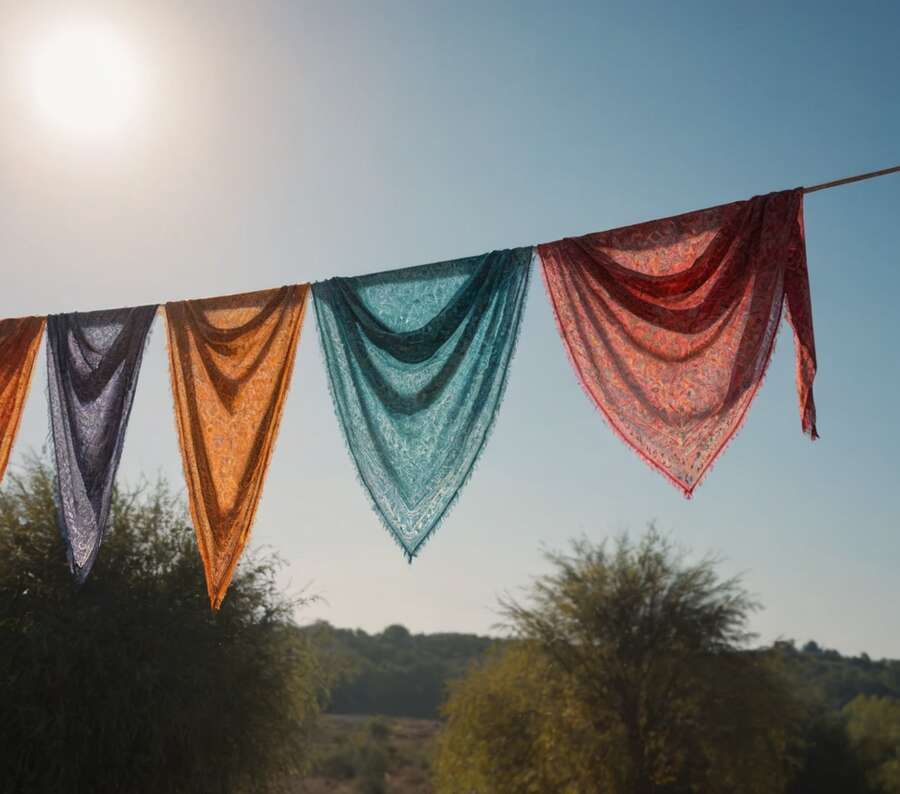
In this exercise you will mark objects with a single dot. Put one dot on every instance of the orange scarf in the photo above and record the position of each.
(230, 360)
(19, 342)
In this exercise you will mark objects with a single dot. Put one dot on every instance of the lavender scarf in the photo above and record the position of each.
(93, 360)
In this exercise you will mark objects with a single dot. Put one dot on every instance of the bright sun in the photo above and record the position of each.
(86, 81)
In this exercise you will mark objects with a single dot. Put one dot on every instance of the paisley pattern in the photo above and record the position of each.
(19, 341)
(670, 324)
(230, 360)
(93, 362)
(417, 362)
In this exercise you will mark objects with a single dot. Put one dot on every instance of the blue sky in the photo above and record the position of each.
(287, 142)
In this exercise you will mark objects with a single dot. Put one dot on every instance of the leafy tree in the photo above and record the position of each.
(827, 761)
(873, 724)
(514, 725)
(130, 683)
(631, 677)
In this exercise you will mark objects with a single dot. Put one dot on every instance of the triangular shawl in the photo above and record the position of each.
(93, 362)
(417, 363)
(230, 360)
(20, 338)
(670, 324)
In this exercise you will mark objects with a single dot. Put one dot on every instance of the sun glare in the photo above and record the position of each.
(86, 81)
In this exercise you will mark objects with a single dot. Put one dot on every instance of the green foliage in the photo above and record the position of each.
(357, 754)
(362, 756)
(130, 683)
(873, 725)
(515, 726)
(838, 679)
(393, 673)
(826, 760)
(631, 678)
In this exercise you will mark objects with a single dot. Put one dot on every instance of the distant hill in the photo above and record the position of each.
(838, 679)
(396, 673)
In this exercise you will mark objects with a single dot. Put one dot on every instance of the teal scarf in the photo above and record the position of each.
(417, 362)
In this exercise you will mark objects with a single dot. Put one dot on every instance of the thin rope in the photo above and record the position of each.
(849, 179)
(824, 186)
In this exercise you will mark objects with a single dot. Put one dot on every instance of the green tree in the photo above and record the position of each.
(827, 761)
(632, 676)
(873, 725)
(514, 725)
(130, 684)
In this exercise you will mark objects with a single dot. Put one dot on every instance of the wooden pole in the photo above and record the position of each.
(849, 179)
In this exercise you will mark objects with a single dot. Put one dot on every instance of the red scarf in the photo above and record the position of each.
(670, 324)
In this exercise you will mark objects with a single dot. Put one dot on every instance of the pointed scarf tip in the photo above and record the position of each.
(79, 575)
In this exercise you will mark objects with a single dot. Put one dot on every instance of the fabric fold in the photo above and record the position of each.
(20, 338)
(93, 363)
(230, 362)
(417, 363)
(670, 324)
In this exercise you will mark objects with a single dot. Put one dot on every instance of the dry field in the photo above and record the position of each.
(368, 755)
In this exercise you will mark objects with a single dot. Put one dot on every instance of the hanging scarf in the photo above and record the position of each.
(230, 360)
(670, 324)
(417, 363)
(19, 341)
(93, 362)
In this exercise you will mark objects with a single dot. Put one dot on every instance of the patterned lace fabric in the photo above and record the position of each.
(93, 362)
(417, 362)
(19, 342)
(230, 360)
(670, 324)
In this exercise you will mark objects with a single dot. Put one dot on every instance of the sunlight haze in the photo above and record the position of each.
(161, 151)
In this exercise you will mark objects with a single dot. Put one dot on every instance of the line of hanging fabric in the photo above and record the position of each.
(669, 326)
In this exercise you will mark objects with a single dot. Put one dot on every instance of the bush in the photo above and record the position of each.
(130, 684)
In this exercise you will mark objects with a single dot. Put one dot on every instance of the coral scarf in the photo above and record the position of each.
(230, 360)
(670, 324)
(19, 342)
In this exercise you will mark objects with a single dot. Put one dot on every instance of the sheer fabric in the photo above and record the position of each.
(19, 341)
(417, 363)
(670, 324)
(93, 362)
(230, 361)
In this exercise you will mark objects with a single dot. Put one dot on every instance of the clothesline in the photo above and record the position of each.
(812, 189)
(669, 324)
(848, 179)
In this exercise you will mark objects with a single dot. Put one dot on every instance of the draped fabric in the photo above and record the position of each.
(93, 362)
(19, 341)
(230, 360)
(417, 363)
(670, 324)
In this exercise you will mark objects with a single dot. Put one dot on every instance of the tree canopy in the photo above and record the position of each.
(631, 675)
(131, 683)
